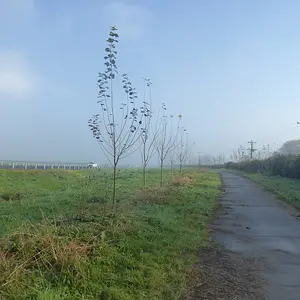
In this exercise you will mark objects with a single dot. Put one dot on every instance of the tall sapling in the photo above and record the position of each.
(117, 126)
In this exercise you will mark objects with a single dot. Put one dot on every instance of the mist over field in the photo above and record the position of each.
(230, 69)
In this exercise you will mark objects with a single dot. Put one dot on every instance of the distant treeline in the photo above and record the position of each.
(277, 165)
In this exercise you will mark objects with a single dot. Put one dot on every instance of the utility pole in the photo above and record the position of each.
(251, 149)
(199, 160)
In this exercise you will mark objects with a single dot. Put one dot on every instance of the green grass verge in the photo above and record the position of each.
(76, 246)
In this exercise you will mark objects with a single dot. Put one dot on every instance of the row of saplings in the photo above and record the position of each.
(277, 165)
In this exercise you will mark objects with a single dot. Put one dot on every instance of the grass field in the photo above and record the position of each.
(61, 239)
(286, 189)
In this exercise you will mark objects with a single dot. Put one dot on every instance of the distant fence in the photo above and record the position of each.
(4, 164)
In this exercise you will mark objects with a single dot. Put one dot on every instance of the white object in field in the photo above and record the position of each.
(92, 165)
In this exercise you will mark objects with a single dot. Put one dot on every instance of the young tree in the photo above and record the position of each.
(172, 160)
(183, 149)
(117, 126)
(166, 140)
(221, 159)
(149, 130)
(234, 156)
(241, 154)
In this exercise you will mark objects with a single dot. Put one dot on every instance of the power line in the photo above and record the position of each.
(251, 149)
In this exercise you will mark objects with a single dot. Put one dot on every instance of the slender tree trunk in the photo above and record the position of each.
(114, 185)
(161, 172)
(144, 175)
(144, 164)
(180, 168)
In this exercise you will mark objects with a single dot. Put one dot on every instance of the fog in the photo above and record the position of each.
(230, 68)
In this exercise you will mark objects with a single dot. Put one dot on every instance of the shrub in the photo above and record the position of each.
(277, 165)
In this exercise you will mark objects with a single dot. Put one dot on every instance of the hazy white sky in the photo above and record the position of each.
(231, 68)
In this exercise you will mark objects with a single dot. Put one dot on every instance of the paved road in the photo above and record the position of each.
(256, 225)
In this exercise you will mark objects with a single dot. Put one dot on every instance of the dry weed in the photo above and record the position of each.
(40, 248)
(204, 170)
(183, 180)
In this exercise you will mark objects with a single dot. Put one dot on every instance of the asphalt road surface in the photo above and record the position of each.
(255, 225)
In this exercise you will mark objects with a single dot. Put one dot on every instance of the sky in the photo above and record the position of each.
(231, 68)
